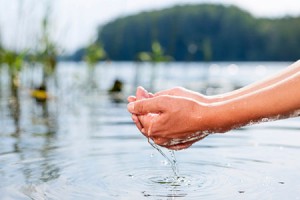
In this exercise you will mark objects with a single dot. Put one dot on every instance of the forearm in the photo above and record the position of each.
(289, 71)
(280, 100)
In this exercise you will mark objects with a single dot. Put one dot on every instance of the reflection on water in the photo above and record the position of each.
(81, 145)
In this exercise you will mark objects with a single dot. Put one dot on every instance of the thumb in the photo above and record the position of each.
(145, 106)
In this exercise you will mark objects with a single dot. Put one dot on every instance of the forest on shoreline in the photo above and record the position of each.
(205, 32)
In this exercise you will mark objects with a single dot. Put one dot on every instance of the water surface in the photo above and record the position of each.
(83, 145)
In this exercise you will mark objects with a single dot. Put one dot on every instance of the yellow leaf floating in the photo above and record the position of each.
(39, 94)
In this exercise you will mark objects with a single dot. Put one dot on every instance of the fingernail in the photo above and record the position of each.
(130, 107)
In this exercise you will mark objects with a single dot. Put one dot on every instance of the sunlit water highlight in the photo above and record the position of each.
(86, 147)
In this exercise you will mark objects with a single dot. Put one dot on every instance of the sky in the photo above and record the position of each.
(74, 23)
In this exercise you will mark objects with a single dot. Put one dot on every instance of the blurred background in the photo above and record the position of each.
(67, 67)
(52, 50)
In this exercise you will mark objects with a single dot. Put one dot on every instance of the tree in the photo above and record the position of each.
(203, 32)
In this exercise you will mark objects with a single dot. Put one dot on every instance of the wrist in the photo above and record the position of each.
(223, 116)
(213, 118)
(240, 111)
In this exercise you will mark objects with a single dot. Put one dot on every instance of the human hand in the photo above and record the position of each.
(141, 93)
(183, 92)
(175, 122)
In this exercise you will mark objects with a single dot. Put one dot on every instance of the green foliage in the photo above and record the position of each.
(13, 60)
(1, 56)
(203, 32)
(94, 53)
(155, 56)
(49, 50)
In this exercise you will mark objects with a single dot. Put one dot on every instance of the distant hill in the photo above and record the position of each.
(205, 32)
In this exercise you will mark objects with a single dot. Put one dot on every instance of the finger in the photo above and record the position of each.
(147, 122)
(164, 142)
(131, 99)
(164, 92)
(184, 145)
(137, 122)
(150, 95)
(141, 93)
(167, 92)
(180, 146)
(145, 106)
(160, 141)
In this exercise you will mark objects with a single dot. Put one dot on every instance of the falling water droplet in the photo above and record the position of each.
(171, 160)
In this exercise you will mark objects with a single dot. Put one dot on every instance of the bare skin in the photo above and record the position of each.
(180, 91)
(184, 117)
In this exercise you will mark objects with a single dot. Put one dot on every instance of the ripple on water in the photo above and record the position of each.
(157, 181)
(124, 177)
(195, 180)
(62, 188)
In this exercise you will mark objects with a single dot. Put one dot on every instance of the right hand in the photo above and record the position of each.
(183, 92)
(172, 122)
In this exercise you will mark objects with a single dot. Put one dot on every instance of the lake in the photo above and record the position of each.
(82, 144)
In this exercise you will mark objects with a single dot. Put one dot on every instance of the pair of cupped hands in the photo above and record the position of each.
(173, 118)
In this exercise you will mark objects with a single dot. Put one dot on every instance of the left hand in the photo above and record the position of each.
(173, 122)
(141, 93)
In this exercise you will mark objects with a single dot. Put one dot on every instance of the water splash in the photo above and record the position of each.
(192, 138)
(292, 114)
(171, 160)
